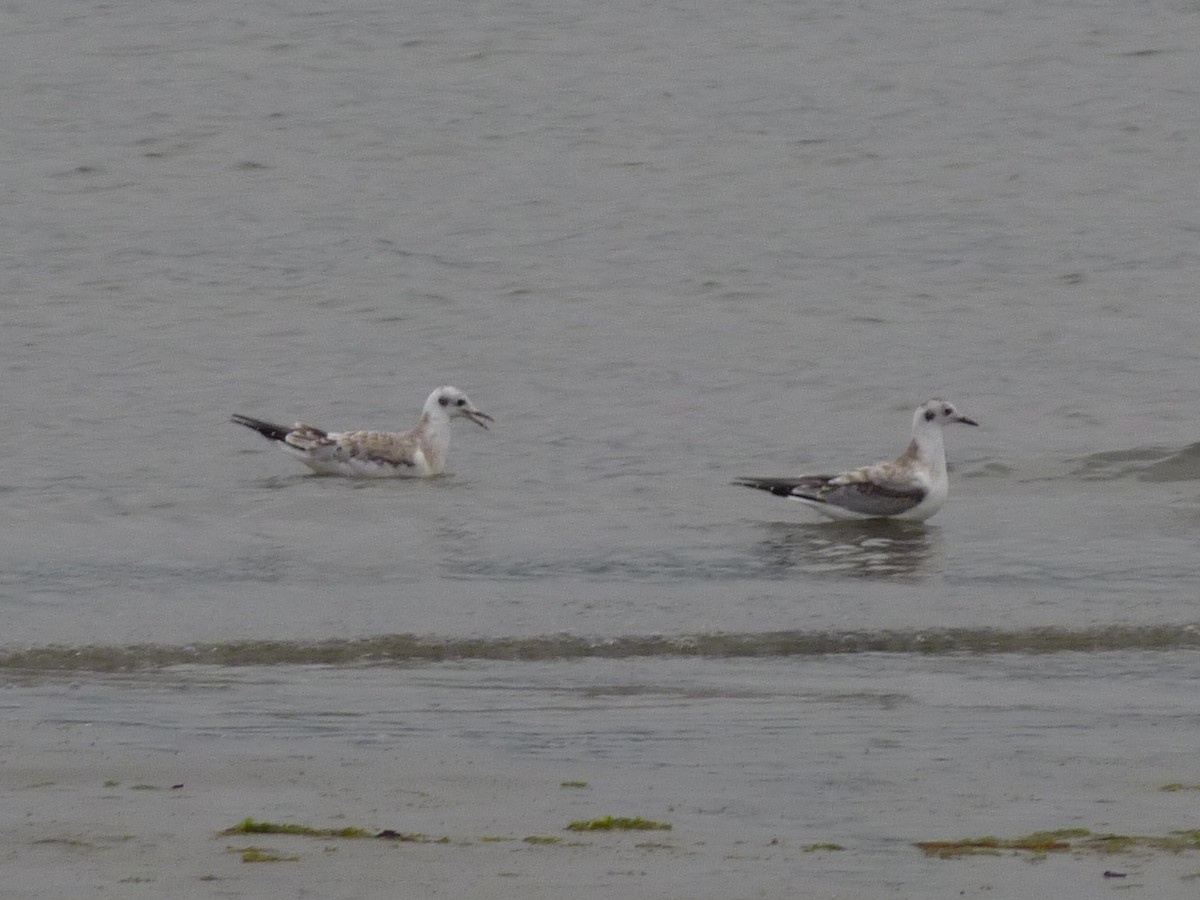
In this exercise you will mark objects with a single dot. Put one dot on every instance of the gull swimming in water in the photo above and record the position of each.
(913, 486)
(418, 453)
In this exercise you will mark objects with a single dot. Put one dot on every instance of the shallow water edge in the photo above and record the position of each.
(411, 648)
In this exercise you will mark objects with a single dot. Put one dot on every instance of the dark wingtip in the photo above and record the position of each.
(791, 488)
(777, 486)
(268, 430)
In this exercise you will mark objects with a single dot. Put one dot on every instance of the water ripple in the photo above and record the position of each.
(396, 649)
(1156, 464)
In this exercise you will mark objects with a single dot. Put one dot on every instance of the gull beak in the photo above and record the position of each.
(477, 416)
(965, 420)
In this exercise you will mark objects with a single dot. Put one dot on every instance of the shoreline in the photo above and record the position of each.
(133, 800)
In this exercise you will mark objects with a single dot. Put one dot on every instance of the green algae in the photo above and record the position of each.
(1064, 840)
(261, 855)
(618, 823)
(249, 826)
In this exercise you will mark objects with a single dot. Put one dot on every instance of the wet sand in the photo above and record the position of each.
(132, 799)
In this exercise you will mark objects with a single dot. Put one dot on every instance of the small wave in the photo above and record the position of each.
(400, 649)
(1158, 464)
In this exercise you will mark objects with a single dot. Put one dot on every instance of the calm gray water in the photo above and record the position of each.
(664, 245)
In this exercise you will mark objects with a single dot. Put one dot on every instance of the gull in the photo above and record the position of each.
(913, 486)
(418, 453)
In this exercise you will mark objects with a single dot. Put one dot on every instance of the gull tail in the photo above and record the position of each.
(268, 430)
(782, 487)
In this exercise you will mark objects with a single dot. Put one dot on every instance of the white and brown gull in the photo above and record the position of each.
(913, 486)
(417, 453)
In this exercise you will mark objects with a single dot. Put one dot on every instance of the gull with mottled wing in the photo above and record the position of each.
(913, 486)
(418, 453)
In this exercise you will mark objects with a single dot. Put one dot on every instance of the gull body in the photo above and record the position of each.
(912, 487)
(417, 453)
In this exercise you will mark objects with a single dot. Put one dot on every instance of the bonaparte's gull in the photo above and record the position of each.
(913, 486)
(418, 453)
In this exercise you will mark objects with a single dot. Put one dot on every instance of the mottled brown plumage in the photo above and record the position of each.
(419, 452)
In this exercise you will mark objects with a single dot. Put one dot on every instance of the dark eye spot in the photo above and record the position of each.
(461, 402)
(443, 401)
(930, 415)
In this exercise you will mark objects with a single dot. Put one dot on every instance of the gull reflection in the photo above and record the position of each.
(871, 549)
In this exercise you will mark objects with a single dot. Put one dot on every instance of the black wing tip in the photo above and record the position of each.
(780, 487)
(269, 430)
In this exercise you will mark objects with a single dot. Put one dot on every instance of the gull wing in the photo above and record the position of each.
(867, 496)
(869, 491)
(380, 447)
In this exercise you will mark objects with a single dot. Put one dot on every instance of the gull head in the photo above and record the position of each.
(453, 403)
(938, 412)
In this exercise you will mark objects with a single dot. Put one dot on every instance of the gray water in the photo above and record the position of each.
(664, 245)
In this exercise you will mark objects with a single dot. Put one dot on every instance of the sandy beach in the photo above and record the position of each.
(136, 799)
(87, 813)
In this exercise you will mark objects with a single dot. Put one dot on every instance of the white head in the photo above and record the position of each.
(450, 403)
(938, 412)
